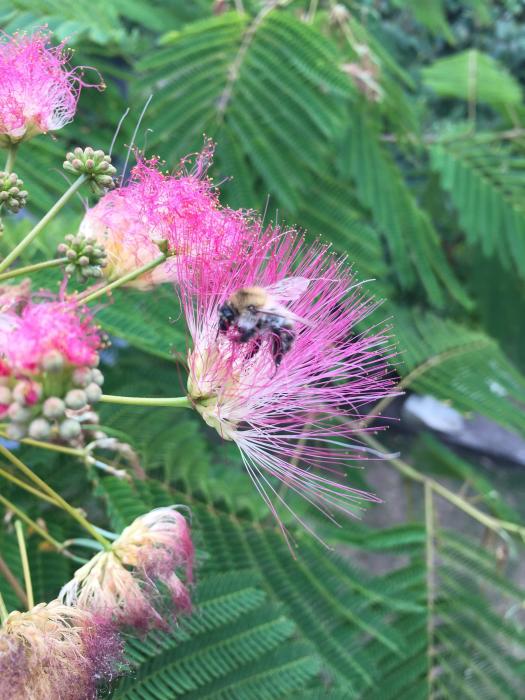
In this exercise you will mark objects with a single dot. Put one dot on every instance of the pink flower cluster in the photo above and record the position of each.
(295, 423)
(144, 578)
(38, 90)
(46, 328)
(180, 211)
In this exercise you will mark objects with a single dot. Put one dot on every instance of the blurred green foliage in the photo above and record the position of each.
(394, 130)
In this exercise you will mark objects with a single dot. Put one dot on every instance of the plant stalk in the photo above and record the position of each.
(176, 402)
(22, 484)
(35, 526)
(123, 280)
(3, 610)
(27, 269)
(13, 255)
(19, 528)
(73, 512)
(11, 157)
(13, 582)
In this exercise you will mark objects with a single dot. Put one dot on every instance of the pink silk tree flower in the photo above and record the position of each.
(56, 651)
(49, 329)
(38, 90)
(144, 578)
(281, 366)
(178, 210)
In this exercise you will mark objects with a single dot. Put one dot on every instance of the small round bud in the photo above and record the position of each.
(5, 395)
(62, 248)
(16, 431)
(76, 399)
(27, 393)
(53, 407)
(39, 429)
(97, 376)
(53, 361)
(70, 429)
(82, 376)
(18, 413)
(83, 260)
(93, 393)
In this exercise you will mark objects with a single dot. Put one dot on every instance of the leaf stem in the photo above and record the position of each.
(175, 402)
(73, 512)
(485, 519)
(13, 255)
(27, 269)
(19, 528)
(11, 157)
(3, 610)
(13, 582)
(27, 487)
(39, 530)
(431, 592)
(123, 280)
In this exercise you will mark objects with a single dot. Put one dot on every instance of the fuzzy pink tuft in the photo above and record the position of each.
(295, 423)
(38, 90)
(142, 583)
(181, 209)
(49, 327)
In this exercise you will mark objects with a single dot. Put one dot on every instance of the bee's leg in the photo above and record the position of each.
(282, 341)
(245, 334)
(254, 348)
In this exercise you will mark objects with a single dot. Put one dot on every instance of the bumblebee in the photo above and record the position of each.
(259, 312)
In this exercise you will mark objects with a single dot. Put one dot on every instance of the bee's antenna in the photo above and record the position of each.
(148, 131)
(117, 130)
(139, 122)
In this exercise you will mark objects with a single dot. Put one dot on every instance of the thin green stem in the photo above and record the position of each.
(13, 255)
(50, 446)
(3, 610)
(11, 157)
(123, 280)
(22, 484)
(32, 524)
(27, 269)
(13, 582)
(176, 402)
(19, 528)
(485, 519)
(73, 512)
(431, 592)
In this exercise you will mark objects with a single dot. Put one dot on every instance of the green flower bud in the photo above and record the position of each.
(76, 399)
(18, 413)
(70, 429)
(16, 431)
(39, 429)
(93, 393)
(53, 407)
(53, 361)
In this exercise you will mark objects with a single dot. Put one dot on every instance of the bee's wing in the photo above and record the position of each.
(288, 289)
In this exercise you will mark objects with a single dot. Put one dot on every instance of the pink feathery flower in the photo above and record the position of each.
(56, 651)
(180, 210)
(49, 328)
(287, 376)
(38, 90)
(128, 584)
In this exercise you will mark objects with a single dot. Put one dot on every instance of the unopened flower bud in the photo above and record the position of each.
(93, 393)
(82, 376)
(16, 431)
(5, 395)
(19, 413)
(11, 192)
(53, 361)
(39, 429)
(27, 393)
(70, 429)
(76, 399)
(97, 377)
(95, 164)
(53, 407)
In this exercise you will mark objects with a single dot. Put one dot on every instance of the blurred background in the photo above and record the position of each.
(395, 130)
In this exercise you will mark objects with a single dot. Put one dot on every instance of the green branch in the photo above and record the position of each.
(28, 269)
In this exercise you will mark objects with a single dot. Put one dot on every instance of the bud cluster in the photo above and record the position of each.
(85, 257)
(95, 164)
(54, 403)
(12, 196)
